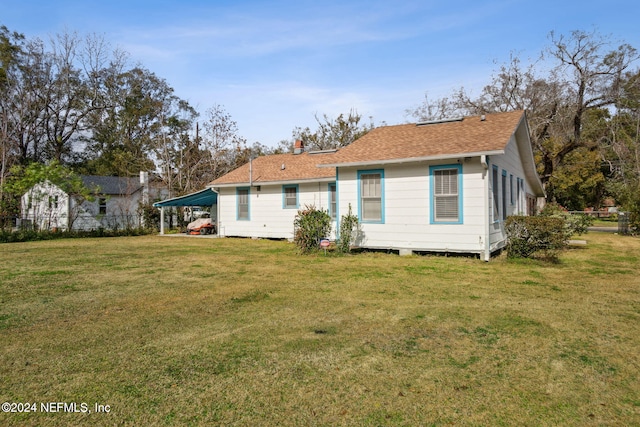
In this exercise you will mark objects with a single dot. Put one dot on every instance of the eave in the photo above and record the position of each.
(411, 159)
(281, 182)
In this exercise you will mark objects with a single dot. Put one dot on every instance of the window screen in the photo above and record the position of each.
(371, 196)
(445, 195)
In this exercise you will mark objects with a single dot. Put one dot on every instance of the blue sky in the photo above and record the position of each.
(274, 64)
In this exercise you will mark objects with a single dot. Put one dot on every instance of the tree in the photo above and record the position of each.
(190, 164)
(590, 76)
(333, 133)
(10, 50)
(23, 104)
(586, 75)
(75, 102)
(621, 148)
(222, 142)
(127, 130)
(177, 154)
(435, 109)
(25, 179)
(50, 92)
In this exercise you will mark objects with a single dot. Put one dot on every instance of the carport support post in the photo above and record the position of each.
(162, 220)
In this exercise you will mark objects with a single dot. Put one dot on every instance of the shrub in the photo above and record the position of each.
(633, 216)
(573, 223)
(528, 235)
(348, 228)
(150, 216)
(311, 225)
(29, 235)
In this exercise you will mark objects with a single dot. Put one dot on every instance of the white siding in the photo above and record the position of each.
(267, 216)
(45, 206)
(407, 198)
(122, 212)
(511, 163)
(39, 207)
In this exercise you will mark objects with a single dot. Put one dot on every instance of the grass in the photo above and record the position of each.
(172, 331)
(605, 222)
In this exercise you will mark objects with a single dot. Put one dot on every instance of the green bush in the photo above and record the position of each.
(28, 235)
(348, 228)
(150, 216)
(574, 224)
(311, 225)
(529, 235)
(633, 215)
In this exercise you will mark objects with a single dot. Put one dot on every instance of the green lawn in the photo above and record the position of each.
(179, 331)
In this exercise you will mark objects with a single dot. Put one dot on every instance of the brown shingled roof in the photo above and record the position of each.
(297, 167)
(469, 135)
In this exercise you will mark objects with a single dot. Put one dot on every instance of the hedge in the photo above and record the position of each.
(529, 235)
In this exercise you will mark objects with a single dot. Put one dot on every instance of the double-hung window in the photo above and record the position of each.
(520, 209)
(333, 201)
(511, 190)
(53, 202)
(504, 194)
(495, 193)
(242, 204)
(290, 196)
(446, 194)
(102, 205)
(371, 189)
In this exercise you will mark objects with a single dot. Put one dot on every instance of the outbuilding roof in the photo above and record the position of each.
(111, 185)
(205, 197)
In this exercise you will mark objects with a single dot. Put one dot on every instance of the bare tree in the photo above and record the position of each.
(333, 133)
(591, 76)
(221, 140)
(584, 74)
(435, 109)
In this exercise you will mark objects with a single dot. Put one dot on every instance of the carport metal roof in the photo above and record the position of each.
(206, 197)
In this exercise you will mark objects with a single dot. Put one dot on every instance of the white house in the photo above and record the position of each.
(114, 206)
(444, 186)
(262, 198)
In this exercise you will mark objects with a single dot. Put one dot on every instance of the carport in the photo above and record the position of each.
(206, 197)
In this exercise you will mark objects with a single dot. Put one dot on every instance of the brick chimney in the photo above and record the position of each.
(298, 147)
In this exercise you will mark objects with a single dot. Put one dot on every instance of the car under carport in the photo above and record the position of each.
(203, 198)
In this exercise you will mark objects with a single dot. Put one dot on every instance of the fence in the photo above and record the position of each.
(623, 223)
(622, 218)
(603, 213)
